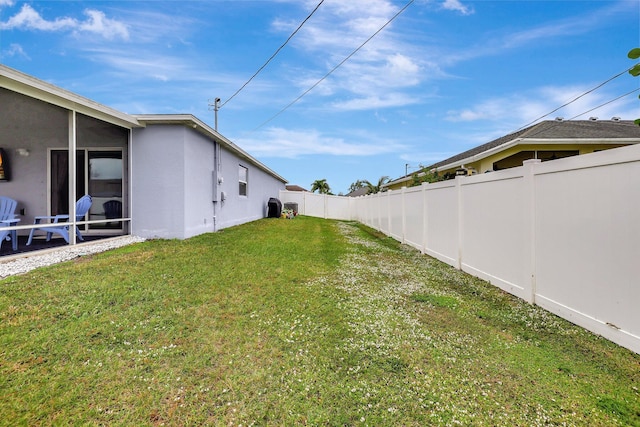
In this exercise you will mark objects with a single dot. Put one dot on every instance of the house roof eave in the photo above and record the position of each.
(192, 121)
(479, 156)
(27, 85)
(400, 180)
(581, 141)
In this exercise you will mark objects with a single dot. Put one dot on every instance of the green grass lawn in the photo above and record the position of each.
(294, 322)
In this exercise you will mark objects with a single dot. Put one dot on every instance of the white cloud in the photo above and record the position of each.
(401, 66)
(15, 50)
(178, 74)
(151, 26)
(389, 78)
(585, 107)
(30, 19)
(457, 6)
(521, 109)
(545, 32)
(386, 64)
(144, 64)
(287, 143)
(375, 101)
(97, 23)
(6, 3)
(355, 7)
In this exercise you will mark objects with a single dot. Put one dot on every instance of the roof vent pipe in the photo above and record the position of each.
(615, 119)
(559, 119)
(593, 119)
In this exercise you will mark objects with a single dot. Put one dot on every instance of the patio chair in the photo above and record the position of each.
(8, 218)
(62, 228)
(112, 209)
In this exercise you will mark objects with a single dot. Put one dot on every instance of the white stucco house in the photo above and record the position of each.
(170, 176)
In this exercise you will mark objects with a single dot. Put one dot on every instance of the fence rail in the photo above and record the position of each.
(564, 234)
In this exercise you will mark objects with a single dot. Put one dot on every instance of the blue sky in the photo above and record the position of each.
(443, 77)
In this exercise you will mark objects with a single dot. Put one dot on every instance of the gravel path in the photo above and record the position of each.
(30, 262)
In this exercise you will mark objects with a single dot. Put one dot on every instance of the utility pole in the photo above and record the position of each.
(407, 166)
(216, 107)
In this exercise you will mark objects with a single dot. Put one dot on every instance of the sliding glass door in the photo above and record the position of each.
(99, 173)
(60, 180)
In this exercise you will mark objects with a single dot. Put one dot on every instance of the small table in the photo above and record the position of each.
(14, 233)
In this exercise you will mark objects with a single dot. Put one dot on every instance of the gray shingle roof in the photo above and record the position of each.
(362, 191)
(293, 187)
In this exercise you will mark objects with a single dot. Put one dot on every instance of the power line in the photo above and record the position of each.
(606, 103)
(578, 115)
(575, 99)
(336, 67)
(274, 55)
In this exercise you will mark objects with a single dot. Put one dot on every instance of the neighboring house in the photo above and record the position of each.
(172, 175)
(548, 140)
(362, 191)
(293, 187)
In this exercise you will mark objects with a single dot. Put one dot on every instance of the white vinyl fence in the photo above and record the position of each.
(563, 234)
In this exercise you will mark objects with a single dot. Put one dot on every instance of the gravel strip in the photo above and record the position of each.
(30, 262)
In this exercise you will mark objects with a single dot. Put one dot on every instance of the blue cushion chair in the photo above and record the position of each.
(62, 228)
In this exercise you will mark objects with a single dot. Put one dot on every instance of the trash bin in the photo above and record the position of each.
(274, 208)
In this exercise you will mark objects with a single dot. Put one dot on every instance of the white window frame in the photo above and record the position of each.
(243, 184)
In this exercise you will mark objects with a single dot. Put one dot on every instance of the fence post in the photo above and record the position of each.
(458, 181)
(351, 206)
(425, 218)
(529, 208)
(304, 203)
(404, 215)
(379, 211)
(388, 201)
(326, 206)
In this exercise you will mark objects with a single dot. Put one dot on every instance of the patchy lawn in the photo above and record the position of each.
(294, 322)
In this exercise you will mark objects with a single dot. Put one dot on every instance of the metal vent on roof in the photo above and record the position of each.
(593, 119)
(615, 119)
(559, 119)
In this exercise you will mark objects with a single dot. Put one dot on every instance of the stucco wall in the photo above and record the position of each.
(198, 164)
(158, 182)
(236, 209)
(33, 125)
(173, 168)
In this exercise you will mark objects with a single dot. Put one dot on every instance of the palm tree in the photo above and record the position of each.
(377, 187)
(320, 185)
(357, 185)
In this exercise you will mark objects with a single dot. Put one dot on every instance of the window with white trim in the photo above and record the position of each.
(243, 175)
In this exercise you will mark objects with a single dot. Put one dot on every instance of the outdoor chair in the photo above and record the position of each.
(62, 228)
(112, 209)
(7, 219)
